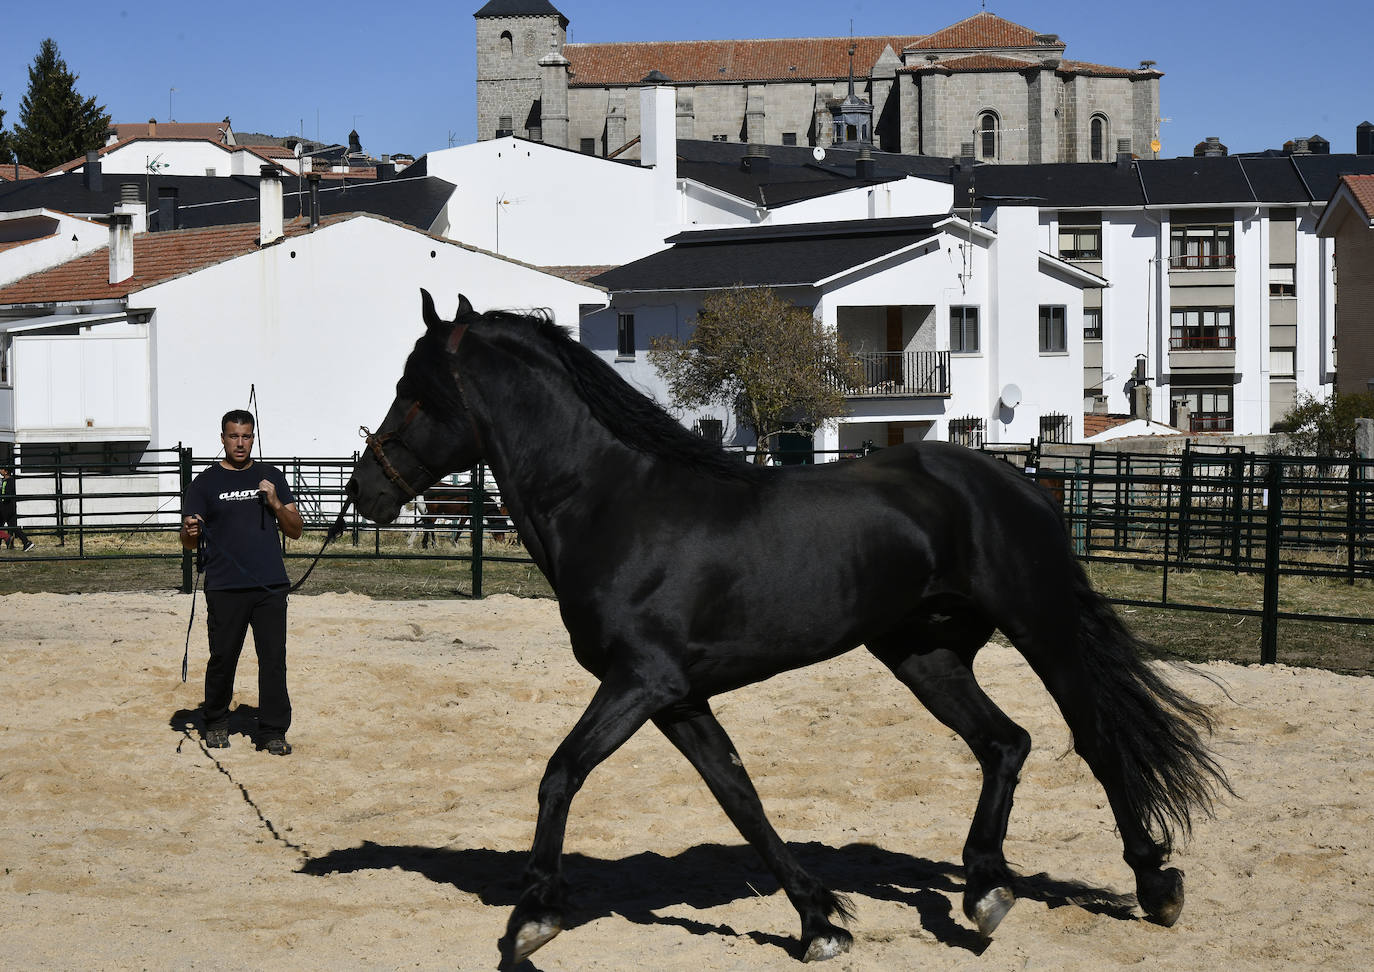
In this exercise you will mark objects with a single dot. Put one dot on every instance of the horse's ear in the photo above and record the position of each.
(464, 308)
(432, 319)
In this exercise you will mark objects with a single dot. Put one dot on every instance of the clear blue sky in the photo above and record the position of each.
(1254, 73)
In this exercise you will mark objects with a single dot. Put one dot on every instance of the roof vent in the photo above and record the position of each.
(1364, 138)
(1210, 148)
(755, 160)
(864, 166)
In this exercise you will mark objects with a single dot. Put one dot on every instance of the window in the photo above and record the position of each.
(1053, 332)
(504, 126)
(1282, 280)
(588, 146)
(1201, 247)
(789, 138)
(963, 330)
(720, 138)
(1080, 240)
(505, 44)
(987, 135)
(1097, 138)
(1201, 329)
(967, 431)
(1055, 427)
(4, 359)
(1092, 324)
(1283, 362)
(710, 429)
(625, 336)
(1209, 408)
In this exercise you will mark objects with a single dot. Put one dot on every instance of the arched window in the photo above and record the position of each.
(1097, 138)
(505, 44)
(987, 135)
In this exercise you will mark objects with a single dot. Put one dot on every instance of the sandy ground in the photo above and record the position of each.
(394, 836)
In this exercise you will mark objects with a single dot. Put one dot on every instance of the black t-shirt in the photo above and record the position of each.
(241, 545)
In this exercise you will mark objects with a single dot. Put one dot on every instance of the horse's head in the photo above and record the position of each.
(428, 431)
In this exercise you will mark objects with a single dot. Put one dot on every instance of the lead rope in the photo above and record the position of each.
(335, 531)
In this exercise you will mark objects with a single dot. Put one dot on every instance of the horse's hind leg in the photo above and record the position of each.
(942, 679)
(699, 737)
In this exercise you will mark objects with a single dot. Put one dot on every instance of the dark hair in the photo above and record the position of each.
(238, 416)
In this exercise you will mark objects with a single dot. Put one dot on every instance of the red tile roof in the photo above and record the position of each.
(215, 131)
(977, 62)
(982, 30)
(1362, 188)
(805, 58)
(1093, 423)
(158, 257)
(12, 171)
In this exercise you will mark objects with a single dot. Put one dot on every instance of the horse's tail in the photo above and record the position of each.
(1168, 770)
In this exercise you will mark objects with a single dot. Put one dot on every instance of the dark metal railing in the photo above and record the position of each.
(897, 373)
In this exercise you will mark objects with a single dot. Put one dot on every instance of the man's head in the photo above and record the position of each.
(236, 434)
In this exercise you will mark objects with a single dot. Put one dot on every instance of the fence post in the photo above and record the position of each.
(1088, 505)
(57, 502)
(476, 509)
(1237, 503)
(184, 464)
(1269, 622)
(1185, 505)
(1353, 472)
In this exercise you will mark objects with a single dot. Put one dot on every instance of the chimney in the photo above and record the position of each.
(152, 127)
(864, 166)
(269, 206)
(314, 180)
(166, 208)
(132, 206)
(1211, 148)
(386, 171)
(1364, 138)
(1300, 147)
(90, 175)
(121, 246)
(755, 160)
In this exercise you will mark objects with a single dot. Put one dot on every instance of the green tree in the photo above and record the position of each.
(1325, 426)
(772, 361)
(56, 124)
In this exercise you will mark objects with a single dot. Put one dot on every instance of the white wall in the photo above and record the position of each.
(55, 247)
(91, 386)
(903, 197)
(194, 157)
(319, 325)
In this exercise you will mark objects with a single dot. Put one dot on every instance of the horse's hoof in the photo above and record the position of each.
(532, 935)
(824, 947)
(1160, 894)
(989, 910)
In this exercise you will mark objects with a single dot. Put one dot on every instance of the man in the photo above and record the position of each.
(9, 514)
(236, 506)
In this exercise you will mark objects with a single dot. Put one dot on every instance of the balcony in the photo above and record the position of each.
(900, 374)
(1193, 351)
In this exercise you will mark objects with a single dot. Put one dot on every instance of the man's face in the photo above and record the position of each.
(238, 443)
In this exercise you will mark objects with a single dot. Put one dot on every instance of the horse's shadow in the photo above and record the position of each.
(637, 888)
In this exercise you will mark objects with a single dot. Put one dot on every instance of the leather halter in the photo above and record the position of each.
(375, 443)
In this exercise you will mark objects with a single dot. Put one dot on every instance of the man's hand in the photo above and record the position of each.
(269, 494)
(191, 526)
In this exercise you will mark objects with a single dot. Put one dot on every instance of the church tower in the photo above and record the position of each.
(513, 36)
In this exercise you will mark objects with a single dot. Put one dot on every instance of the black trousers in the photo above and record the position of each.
(228, 616)
(9, 522)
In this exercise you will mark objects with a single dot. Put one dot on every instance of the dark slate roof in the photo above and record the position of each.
(767, 256)
(520, 8)
(1210, 180)
(415, 200)
(793, 174)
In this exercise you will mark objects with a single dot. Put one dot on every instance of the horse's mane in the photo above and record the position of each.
(629, 415)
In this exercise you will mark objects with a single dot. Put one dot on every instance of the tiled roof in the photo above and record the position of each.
(1362, 188)
(14, 171)
(214, 131)
(577, 274)
(1094, 423)
(980, 31)
(1101, 70)
(977, 62)
(806, 58)
(519, 8)
(158, 257)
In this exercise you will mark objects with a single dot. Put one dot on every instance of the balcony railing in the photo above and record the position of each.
(1202, 261)
(1211, 422)
(886, 374)
(1202, 342)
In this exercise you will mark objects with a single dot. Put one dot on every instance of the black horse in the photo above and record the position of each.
(683, 572)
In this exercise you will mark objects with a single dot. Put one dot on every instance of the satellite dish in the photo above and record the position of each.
(818, 154)
(1011, 395)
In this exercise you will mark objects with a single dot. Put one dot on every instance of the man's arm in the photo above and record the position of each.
(286, 513)
(190, 532)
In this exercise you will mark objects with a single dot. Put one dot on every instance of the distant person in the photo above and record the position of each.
(237, 505)
(9, 515)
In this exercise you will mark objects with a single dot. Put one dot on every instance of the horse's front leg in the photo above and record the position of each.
(620, 706)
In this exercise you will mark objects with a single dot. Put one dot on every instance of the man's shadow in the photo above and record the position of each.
(243, 721)
(708, 875)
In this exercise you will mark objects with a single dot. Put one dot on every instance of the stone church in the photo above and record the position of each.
(983, 87)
